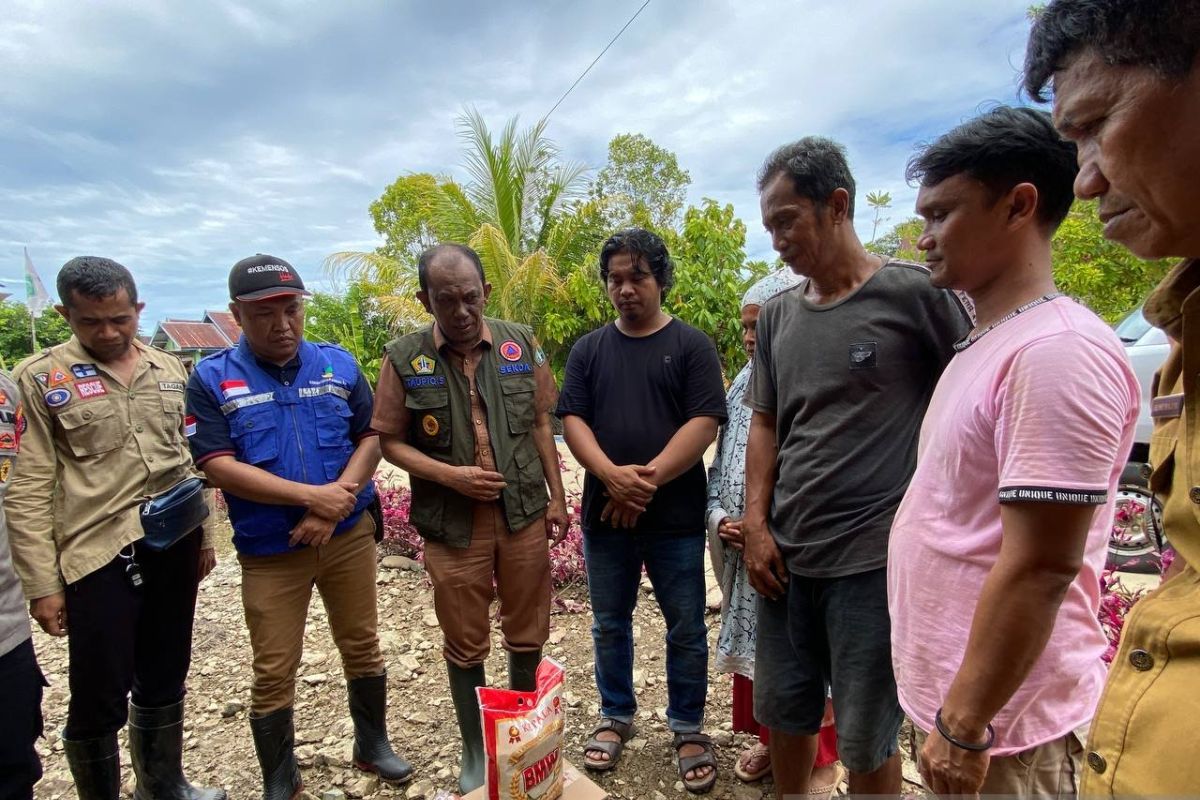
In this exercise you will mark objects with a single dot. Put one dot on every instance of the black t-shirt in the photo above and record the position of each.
(635, 393)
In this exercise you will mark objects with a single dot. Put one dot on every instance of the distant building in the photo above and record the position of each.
(192, 340)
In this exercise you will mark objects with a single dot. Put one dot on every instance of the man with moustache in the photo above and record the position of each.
(844, 367)
(464, 407)
(282, 426)
(104, 430)
(1126, 85)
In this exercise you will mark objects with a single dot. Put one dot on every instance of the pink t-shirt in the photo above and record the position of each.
(1042, 407)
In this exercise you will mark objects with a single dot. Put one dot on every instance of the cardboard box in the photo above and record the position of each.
(576, 786)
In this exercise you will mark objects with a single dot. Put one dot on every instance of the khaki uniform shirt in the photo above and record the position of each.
(92, 452)
(1143, 740)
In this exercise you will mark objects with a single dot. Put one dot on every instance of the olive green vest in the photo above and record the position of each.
(436, 395)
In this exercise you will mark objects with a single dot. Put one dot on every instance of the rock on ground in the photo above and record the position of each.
(218, 750)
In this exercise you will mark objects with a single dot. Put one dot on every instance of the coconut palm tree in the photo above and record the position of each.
(521, 208)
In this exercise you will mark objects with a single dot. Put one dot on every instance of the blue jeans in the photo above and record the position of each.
(675, 565)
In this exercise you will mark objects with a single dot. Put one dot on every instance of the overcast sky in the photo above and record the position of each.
(178, 137)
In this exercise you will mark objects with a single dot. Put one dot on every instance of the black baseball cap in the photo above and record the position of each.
(260, 277)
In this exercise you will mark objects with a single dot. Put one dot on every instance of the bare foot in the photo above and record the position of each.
(754, 761)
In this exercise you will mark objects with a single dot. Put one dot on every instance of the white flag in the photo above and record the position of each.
(36, 298)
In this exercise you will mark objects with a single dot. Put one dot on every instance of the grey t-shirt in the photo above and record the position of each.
(849, 383)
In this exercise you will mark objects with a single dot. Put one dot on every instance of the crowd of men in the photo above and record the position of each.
(909, 510)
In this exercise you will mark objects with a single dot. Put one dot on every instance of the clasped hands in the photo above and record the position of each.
(630, 489)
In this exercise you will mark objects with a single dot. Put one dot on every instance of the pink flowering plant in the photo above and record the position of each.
(1116, 599)
(566, 558)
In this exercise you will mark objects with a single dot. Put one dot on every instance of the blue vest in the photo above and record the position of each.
(299, 432)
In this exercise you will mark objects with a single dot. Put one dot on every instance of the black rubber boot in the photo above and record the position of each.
(372, 750)
(95, 766)
(274, 741)
(463, 682)
(156, 749)
(522, 670)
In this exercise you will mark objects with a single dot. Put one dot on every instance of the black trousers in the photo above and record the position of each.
(123, 639)
(21, 685)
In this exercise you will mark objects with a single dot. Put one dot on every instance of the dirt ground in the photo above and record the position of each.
(219, 750)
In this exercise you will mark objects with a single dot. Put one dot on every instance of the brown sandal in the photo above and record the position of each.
(687, 764)
(613, 750)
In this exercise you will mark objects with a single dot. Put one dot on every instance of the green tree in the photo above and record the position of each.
(711, 277)
(15, 345)
(1103, 275)
(353, 320)
(643, 184)
(880, 202)
(522, 208)
(403, 216)
(901, 241)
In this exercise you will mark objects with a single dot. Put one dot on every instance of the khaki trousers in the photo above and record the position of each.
(276, 591)
(516, 565)
(1049, 770)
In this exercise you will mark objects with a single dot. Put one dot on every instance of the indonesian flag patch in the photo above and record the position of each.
(234, 388)
(189, 426)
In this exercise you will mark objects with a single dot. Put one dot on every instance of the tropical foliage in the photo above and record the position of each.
(537, 221)
(15, 342)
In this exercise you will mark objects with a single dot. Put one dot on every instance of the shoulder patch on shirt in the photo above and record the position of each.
(511, 351)
(42, 377)
(56, 398)
(423, 365)
(170, 386)
(84, 370)
(90, 388)
(57, 378)
(863, 355)
(5, 469)
(539, 357)
(189, 426)
(8, 441)
(234, 388)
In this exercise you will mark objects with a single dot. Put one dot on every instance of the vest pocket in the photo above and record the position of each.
(333, 423)
(518, 403)
(255, 435)
(91, 428)
(430, 412)
(534, 496)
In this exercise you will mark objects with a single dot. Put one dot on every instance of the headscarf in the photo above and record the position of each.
(770, 285)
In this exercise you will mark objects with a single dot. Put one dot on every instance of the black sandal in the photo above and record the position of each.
(687, 764)
(625, 730)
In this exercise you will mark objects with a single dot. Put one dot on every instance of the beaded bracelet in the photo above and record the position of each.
(975, 748)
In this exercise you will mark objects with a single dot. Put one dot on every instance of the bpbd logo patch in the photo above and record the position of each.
(510, 351)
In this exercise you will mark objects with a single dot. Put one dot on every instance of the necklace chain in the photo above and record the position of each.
(975, 337)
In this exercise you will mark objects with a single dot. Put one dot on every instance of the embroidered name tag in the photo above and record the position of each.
(170, 386)
(424, 380)
(314, 391)
(515, 369)
(1166, 407)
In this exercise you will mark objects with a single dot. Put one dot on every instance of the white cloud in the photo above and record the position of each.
(179, 137)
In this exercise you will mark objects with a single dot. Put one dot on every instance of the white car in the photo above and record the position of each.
(1137, 528)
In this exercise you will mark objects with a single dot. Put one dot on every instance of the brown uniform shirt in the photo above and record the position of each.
(393, 417)
(92, 452)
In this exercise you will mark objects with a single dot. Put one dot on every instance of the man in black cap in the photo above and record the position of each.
(282, 426)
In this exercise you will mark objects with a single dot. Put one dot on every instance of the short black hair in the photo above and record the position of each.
(426, 258)
(1002, 148)
(641, 244)
(817, 166)
(94, 277)
(1161, 34)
